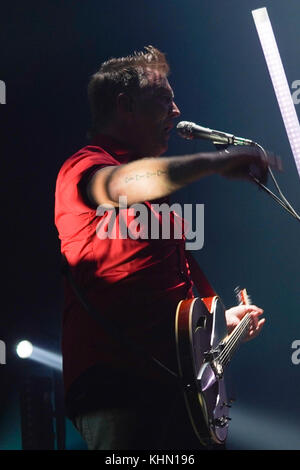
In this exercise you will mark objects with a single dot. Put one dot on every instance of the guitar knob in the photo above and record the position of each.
(221, 422)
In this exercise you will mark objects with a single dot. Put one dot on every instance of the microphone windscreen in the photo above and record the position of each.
(184, 129)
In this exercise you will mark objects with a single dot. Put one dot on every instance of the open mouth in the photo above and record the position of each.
(168, 128)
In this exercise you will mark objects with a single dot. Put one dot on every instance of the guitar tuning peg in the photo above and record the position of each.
(237, 292)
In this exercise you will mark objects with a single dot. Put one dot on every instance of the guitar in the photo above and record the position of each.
(204, 348)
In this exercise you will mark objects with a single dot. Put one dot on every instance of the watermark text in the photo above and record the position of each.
(154, 222)
(2, 352)
(2, 92)
(296, 93)
(296, 354)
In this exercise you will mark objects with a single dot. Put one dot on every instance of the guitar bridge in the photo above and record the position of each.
(213, 353)
(217, 368)
(222, 421)
(211, 357)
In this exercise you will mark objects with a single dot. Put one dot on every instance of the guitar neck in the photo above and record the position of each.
(235, 339)
(238, 334)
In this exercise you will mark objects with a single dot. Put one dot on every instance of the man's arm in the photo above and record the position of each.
(152, 178)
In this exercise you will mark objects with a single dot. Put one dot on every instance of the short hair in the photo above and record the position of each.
(117, 75)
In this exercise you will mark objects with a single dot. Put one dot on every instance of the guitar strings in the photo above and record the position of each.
(226, 355)
(234, 340)
(231, 345)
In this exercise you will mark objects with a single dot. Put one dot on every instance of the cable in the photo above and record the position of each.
(283, 201)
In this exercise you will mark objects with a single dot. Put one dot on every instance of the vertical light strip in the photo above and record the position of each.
(280, 83)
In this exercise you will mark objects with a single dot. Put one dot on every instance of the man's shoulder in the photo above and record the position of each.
(74, 174)
(87, 156)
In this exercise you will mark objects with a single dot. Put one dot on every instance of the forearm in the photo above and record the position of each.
(153, 178)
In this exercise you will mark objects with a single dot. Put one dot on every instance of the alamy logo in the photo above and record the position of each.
(296, 94)
(2, 352)
(296, 354)
(2, 92)
(160, 221)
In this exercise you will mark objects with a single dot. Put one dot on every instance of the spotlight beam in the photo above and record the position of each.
(25, 350)
(48, 358)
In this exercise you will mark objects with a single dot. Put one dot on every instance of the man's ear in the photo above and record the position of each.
(124, 103)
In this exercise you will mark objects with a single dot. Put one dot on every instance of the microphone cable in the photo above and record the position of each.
(280, 200)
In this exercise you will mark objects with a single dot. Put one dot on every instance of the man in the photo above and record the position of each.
(118, 397)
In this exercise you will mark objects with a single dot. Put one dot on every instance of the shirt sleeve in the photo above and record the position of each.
(73, 179)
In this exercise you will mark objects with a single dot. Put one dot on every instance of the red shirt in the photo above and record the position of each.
(136, 283)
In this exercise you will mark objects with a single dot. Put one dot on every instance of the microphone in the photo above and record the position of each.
(190, 130)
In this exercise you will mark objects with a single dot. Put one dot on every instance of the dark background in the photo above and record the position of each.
(49, 49)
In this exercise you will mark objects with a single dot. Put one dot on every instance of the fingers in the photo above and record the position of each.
(253, 309)
(272, 160)
(258, 165)
(260, 175)
(256, 323)
(256, 311)
(235, 314)
(263, 157)
(255, 329)
(250, 162)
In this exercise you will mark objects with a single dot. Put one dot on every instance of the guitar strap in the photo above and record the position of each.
(202, 284)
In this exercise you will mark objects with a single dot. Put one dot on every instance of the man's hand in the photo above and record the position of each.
(235, 314)
(246, 162)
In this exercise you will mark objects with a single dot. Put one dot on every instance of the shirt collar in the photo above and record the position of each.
(117, 149)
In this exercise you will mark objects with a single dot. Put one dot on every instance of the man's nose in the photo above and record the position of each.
(175, 113)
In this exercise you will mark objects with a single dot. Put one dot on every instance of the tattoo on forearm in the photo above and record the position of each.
(148, 174)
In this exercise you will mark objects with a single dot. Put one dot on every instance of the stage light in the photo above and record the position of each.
(279, 80)
(48, 358)
(24, 349)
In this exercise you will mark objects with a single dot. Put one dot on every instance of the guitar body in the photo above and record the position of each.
(200, 333)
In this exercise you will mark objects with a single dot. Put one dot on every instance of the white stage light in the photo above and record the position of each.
(24, 349)
(278, 77)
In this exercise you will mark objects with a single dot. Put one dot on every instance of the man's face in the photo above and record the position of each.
(153, 116)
